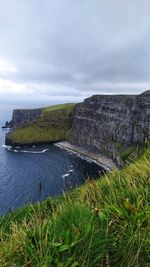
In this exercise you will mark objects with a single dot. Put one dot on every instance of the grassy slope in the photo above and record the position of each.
(54, 124)
(103, 223)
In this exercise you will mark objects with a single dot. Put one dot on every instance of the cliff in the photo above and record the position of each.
(111, 123)
(102, 123)
(22, 116)
(46, 125)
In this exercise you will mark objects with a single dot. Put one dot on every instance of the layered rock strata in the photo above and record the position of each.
(107, 123)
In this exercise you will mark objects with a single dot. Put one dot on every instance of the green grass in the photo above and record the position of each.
(60, 106)
(104, 223)
(133, 153)
(54, 124)
(34, 133)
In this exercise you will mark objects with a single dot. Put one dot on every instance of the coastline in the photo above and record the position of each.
(98, 158)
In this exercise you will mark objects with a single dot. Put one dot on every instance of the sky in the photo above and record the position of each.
(57, 51)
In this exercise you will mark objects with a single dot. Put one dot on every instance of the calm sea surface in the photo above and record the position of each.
(33, 174)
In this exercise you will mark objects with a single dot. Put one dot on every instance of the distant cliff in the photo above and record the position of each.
(22, 116)
(39, 126)
(108, 123)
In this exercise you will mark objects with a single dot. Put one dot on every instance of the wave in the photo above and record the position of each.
(4, 146)
(9, 148)
(65, 175)
(33, 152)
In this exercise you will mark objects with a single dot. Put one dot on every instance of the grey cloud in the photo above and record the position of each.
(82, 47)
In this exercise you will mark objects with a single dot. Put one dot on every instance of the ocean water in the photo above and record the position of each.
(28, 175)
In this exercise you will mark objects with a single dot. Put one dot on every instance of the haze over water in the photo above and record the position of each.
(33, 174)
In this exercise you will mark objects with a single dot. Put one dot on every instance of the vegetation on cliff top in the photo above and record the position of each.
(103, 223)
(54, 124)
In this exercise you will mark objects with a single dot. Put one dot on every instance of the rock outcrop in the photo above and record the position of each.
(107, 123)
(22, 116)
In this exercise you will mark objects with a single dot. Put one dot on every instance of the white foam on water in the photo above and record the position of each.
(71, 170)
(33, 152)
(65, 175)
(5, 146)
(9, 148)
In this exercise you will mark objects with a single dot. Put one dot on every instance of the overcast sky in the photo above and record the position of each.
(54, 51)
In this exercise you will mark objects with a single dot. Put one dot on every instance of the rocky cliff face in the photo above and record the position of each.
(22, 116)
(102, 123)
(107, 122)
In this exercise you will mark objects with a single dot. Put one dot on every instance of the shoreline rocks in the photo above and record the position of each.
(103, 161)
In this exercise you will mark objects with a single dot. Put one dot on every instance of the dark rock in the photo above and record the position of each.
(112, 122)
(6, 125)
(22, 116)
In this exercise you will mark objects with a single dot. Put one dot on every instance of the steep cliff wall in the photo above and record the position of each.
(107, 123)
(21, 116)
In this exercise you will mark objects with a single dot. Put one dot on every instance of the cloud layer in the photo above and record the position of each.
(65, 50)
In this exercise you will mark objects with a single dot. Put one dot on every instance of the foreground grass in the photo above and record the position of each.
(53, 125)
(103, 223)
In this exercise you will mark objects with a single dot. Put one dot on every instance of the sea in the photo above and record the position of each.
(31, 174)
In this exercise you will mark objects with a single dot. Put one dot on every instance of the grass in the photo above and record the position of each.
(132, 153)
(60, 106)
(53, 125)
(105, 223)
(34, 133)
